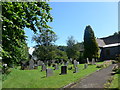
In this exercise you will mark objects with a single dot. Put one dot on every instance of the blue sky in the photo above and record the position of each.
(71, 18)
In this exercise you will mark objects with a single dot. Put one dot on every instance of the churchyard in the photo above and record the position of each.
(48, 77)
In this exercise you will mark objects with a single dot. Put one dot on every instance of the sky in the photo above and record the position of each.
(71, 18)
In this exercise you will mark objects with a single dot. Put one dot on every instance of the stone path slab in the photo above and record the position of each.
(95, 80)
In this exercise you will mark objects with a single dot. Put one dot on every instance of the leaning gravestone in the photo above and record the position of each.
(31, 64)
(85, 66)
(88, 61)
(43, 67)
(49, 72)
(63, 70)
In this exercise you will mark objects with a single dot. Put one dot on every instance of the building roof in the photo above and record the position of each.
(111, 45)
(100, 42)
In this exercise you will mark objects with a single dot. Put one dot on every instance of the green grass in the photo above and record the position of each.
(116, 81)
(37, 79)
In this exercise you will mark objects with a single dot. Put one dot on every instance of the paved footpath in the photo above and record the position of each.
(95, 80)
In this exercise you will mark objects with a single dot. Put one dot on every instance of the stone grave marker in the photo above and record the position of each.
(63, 70)
(75, 66)
(85, 66)
(31, 64)
(93, 61)
(88, 61)
(76, 70)
(49, 72)
(43, 67)
(56, 67)
(75, 63)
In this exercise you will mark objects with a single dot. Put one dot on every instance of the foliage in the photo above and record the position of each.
(90, 45)
(45, 38)
(16, 16)
(49, 53)
(72, 48)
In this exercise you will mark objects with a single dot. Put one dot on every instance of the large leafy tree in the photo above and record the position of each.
(15, 17)
(90, 45)
(73, 49)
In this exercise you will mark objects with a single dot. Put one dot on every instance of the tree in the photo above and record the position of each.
(72, 48)
(15, 17)
(90, 45)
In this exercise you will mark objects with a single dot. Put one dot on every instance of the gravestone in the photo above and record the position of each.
(31, 64)
(43, 67)
(76, 70)
(85, 66)
(63, 70)
(88, 61)
(93, 61)
(78, 63)
(75, 63)
(40, 63)
(24, 65)
(56, 67)
(49, 72)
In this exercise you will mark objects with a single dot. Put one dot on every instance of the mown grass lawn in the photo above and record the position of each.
(37, 79)
(116, 81)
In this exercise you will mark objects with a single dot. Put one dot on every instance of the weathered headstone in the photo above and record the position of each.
(31, 64)
(75, 63)
(85, 66)
(56, 67)
(49, 72)
(63, 70)
(40, 63)
(88, 61)
(93, 61)
(43, 67)
(24, 65)
(76, 70)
